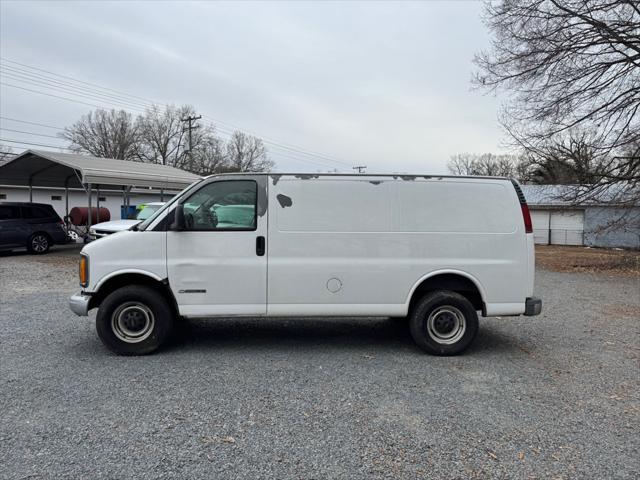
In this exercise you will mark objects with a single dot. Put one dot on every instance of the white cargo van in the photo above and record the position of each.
(437, 249)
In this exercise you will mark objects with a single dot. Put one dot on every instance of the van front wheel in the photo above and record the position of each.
(443, 323)
(134, 320)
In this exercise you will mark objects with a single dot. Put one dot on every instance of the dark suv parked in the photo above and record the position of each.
(35, 226)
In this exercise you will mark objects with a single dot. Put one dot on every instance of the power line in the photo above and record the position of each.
(223, 130)
(71, 90)
(30, 123)
(29, 133)
(32, 143)
(284, 146)
(290, 156)
(73, 79)
(51, 95)
(15, 74)
(123, 98)
(190, 119)
(283, 154)
(280, 154)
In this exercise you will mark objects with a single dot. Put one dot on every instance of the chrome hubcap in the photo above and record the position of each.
(39, 243)
(446, 325)
(132, 322)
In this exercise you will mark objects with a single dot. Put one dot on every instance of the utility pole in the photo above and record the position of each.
(190, 120)
(360, 168)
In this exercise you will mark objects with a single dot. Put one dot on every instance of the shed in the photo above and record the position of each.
(598, 222)
(39, 168)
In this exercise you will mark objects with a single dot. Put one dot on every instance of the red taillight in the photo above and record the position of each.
(526, 215)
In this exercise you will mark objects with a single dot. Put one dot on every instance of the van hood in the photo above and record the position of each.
(115, 225)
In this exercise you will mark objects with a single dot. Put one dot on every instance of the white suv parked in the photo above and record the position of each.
(441, 250)
(103, 229)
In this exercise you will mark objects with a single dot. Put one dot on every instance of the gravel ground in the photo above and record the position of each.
(555, 396)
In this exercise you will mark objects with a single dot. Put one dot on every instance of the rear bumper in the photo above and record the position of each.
(533, 306)
(79, 304)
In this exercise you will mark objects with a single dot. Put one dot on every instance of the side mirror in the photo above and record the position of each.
(178, 219)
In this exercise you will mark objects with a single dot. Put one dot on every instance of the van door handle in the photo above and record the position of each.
(260, 246)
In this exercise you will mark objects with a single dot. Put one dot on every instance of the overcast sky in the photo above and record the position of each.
(385, 85)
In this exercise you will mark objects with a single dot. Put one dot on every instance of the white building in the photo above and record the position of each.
(109, 198)
(599, 222)
(66, 180)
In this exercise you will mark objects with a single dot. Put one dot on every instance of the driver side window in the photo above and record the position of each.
(222, 205)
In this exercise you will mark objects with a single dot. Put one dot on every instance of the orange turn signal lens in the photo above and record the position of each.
(84, 271)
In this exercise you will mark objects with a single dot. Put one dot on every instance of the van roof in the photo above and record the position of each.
(402, 176)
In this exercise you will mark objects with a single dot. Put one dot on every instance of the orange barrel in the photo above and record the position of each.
(80, 215)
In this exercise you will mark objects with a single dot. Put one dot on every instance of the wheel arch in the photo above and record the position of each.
(120, 279)
(454, 280)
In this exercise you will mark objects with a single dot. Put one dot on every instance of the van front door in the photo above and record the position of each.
(217, 265)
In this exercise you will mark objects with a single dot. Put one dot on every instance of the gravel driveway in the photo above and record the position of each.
(555, 396)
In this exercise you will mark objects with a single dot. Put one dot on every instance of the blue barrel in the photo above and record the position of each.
(127, 213)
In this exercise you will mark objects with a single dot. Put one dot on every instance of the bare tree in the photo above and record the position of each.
(569, 160)
(162, 135)
(6, 153)
(108, 134)
(461, 164)
(246, 153)
(163, 139)
(209, 154)
(567, 65)
(487, 164)
(159, 136)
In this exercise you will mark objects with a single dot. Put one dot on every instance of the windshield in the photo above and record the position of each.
(147, 211)
(148, 221)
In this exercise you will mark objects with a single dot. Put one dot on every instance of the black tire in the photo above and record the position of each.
(39, 243)
(443, 323)
(134, 320)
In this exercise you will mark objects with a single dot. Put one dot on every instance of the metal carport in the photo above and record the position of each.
(39, 168)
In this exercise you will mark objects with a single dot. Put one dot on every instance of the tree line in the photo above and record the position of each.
(569, 160)
(160, 135)
(571, 72)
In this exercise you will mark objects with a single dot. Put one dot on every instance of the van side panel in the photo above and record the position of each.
(326, 255)
(360, 245)
(454, 207)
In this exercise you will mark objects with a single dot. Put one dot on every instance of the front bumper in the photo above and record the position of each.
(79, 304)
(533, 306)
(97, 234)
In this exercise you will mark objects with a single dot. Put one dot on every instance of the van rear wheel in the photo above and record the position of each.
(443, 323)
(134, 320)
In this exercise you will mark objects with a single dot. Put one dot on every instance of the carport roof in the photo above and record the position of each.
(52, 169)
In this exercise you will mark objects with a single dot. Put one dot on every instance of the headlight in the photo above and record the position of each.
(92, 232)
(83, 271)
